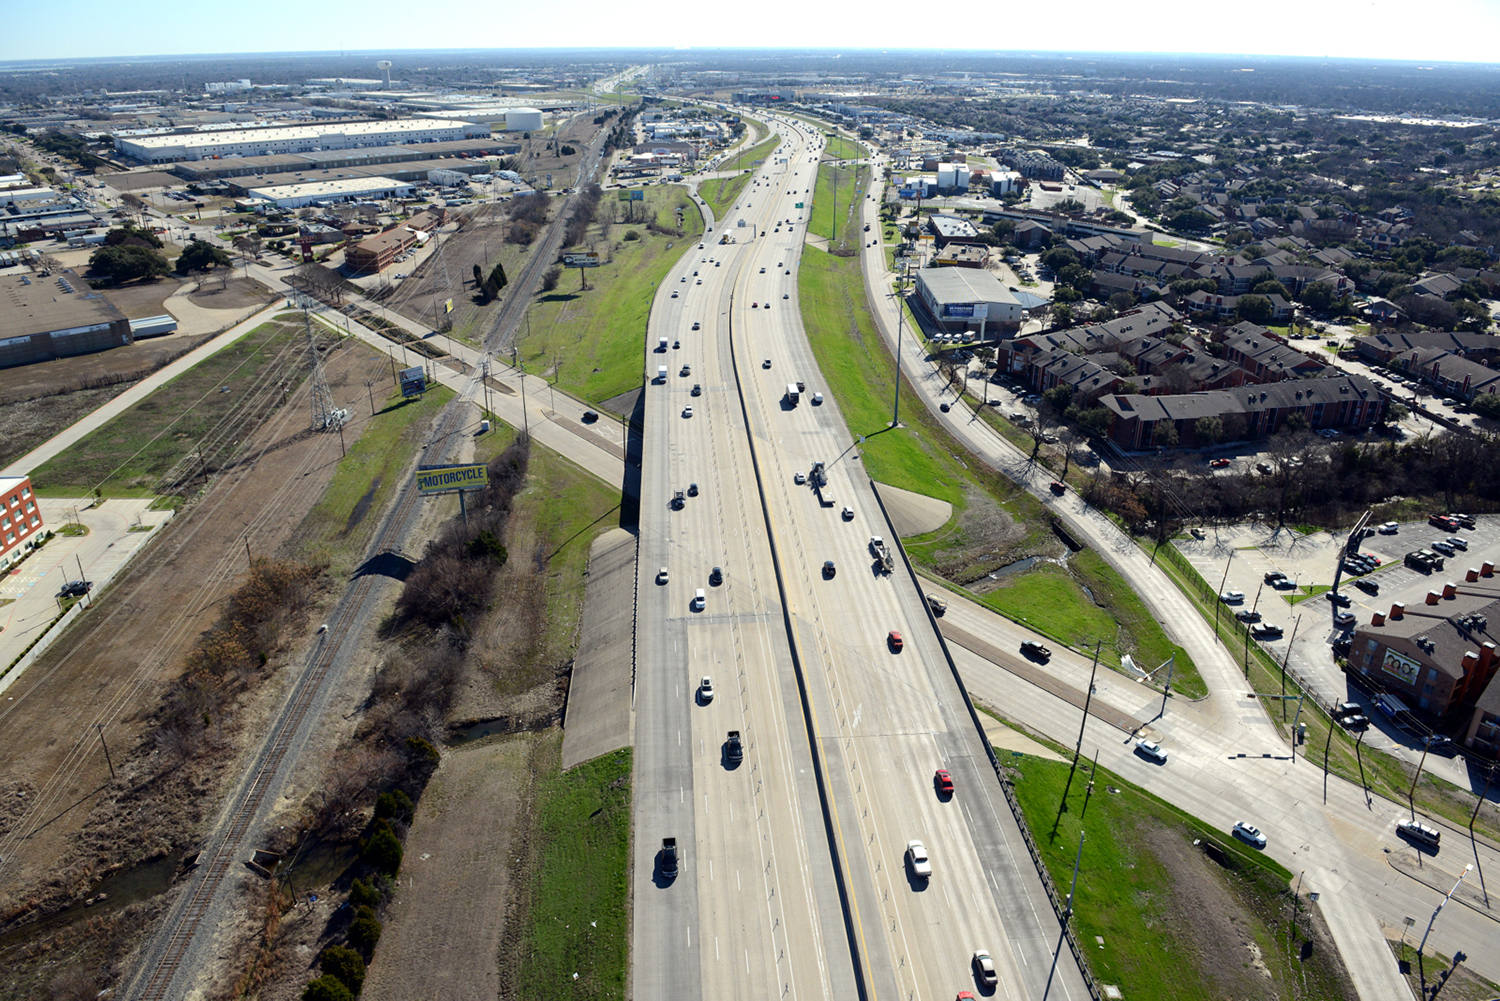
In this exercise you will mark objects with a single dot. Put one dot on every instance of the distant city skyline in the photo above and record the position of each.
(1438, 31)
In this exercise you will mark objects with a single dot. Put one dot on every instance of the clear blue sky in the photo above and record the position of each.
(1433, 30)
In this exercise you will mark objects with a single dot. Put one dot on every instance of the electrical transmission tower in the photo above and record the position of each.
(325, 416)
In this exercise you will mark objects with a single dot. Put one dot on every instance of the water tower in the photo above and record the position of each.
(385, 67)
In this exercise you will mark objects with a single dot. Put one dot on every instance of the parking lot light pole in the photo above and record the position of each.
(1219, 598)
(1489, 776)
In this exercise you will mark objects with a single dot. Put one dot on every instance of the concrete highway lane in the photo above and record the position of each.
(768, 903)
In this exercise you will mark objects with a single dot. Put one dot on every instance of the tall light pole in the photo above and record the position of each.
(1438, 910)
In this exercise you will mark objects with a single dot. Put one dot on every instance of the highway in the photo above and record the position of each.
(793, 880)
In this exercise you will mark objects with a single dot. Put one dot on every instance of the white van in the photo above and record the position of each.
(699, 598)
(1419, 832)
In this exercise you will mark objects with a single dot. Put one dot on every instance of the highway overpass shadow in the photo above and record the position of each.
(630, 489)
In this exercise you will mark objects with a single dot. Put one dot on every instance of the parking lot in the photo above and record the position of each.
(1250, 552)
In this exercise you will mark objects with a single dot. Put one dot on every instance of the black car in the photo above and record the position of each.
(590, 416)
(1367, 586)
(1338, 598)
(75, 589)
(1356, 722)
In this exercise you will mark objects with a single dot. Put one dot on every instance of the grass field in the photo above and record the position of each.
(1158, 916)
(578, 922)
(843, 149)
(746, 160)
(128, 456)
(852, 184)
(723, 193)
(339, 526)
(592, 342)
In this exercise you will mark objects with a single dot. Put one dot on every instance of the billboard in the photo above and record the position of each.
(636, 195)
(1401, 667)
(413, 381)
(586, 259)
(908, 192)
(959, 311)
(445, 479)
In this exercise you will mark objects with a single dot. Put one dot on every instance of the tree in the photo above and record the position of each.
(1121, 301)
(201, 256)
(478, 277)
(1319, 296)
(1254, 308)
(1209, 428)
(1062, 316)
(346, 965)
(382, 852)
(1270, 287)
(326, 988)
(567, 150)
(132, 236)
(364, 932)
(1165, 434)
(497, 275)
(1058, 397)
(129, 263)
(550, 278)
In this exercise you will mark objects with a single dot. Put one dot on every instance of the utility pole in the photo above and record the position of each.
(1077, 861)
(100, 727)
(1284, 661)
(1489, 776)
(1436, 911)
(1087, 697)
(900, 322)
(1218, 598)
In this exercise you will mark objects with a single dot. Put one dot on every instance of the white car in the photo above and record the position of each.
(1457, 543)
(1232, 597)
(706, 689)
(1151, 749)
(916, 856)
(687, 411)
(1389, 528)
(984, 969)
(799, 478)
(661, 575)
(1251, 833)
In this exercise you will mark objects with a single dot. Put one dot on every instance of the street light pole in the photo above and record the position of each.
(1489, 776)
(1083, 724)
(1438, 910)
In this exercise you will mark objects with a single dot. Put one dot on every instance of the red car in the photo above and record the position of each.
(894, 639)
(944, 782)
(1058, 487)
(1219, 463)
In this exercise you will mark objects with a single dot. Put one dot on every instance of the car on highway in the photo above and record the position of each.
(1232, 597)
(1058, 487)
(75, 589)
(829, 570)
(1419, 832)
(590, 416)
(687, 411)
(674, 293)
(893, 638)
(943, 782)
(706, 689)
(1034, 650)
(799, 478)
(755, 305)
(817, 399)
(695, 324)
(1249, 832)
(716, 576)
(944, 407)
(661, 575)
(766, 363)
(984, 968)
(687, 370)
(1152, 750)
(762, 270)
(697, 389)
(847, 514)
(786, 295)
(916, 857)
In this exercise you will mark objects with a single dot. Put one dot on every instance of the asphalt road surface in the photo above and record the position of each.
(793, 880)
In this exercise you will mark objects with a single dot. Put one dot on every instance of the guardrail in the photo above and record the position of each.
(1058, 906)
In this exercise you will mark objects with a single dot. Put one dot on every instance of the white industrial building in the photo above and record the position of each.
(294, 139)
(522, 120)
(349, 189)
(953, 177)
(20, 196)
(1003, 182)
(968, 299)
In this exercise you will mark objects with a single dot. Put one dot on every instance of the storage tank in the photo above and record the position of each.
(522, 119)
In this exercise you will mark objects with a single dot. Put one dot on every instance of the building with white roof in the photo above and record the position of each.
(292, 196)
(302, 138)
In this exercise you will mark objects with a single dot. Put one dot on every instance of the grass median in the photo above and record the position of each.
(748, 159)
(591, 342)
(852, 183)
(1166, 906)
(723, 192)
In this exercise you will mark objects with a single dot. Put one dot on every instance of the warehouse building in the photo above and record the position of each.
(349, 189)
(293, 139)
(55, 317)
(20, 519)
(960, 299)
(369, 160)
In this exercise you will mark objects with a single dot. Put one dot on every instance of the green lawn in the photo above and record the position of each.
(338, 528)
(723, 192)
(592, 342)
(577, 933)
(129, 455)
(1143, 883)
(840, 148)
(852, 185)
(746, 160)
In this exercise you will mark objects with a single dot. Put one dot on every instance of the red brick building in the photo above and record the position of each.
(20, 519)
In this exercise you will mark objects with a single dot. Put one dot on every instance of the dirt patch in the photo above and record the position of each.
(1225, 949)
(139, 300)
(238, 293)
(114, 665)
(985, 537)
(137, 180)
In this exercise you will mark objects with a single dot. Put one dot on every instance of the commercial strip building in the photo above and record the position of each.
(292, 196)
(55, 317)
(376, 253)
(959, 299)
(371, 159)
(20, 519)
(293, 139)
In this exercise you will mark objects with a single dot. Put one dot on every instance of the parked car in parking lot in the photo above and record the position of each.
(1232, 597)
(1338, 598)
(1368, 586)
(1247, 615)
(1343, 619)
(1389, 528)
(1266, 631)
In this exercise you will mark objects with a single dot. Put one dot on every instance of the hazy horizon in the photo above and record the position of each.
(1448, 31)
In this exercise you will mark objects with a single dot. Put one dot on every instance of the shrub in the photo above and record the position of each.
(632, 234)
(346, 965)
(326, 988)
(382, 851)
(395, 804)
(362, 895)
(364, 932)
(551, 278)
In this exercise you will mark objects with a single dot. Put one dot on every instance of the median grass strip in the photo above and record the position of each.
(591, 341)
(839, 148)
(747, 159)
(574, 943)
(1167, 907)
(129, 455)
(722, 192)
(852, 183)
